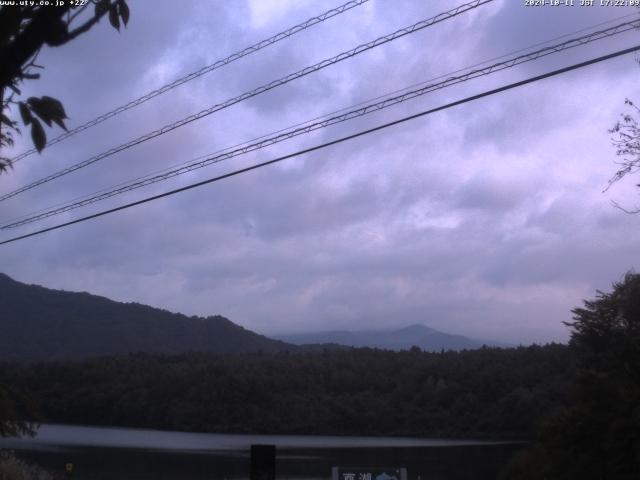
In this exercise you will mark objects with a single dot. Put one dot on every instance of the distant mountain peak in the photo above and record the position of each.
(402, 338)
(416, 328)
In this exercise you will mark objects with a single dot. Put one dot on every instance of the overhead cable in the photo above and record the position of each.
(310, 127)
(333, 142)
(198, 73)
(264, 88)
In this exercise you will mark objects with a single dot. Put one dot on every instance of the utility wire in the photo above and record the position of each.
(204, 70)
(197, 163)
(264, 88)
(325, 115)
(493, 59)
(370, 108)
(328, 114)
(333, 142)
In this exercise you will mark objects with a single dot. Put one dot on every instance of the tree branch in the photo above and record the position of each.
(78, 12)
(630, 212)
(14, 55)
(85, 27)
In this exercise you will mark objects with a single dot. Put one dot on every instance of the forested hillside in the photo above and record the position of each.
(485, 392)
(41, 324)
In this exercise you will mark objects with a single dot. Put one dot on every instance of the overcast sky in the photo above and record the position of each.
(487, 219)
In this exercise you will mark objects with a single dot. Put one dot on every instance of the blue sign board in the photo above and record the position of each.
(367, 473)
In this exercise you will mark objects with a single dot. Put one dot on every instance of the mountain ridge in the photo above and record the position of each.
(39, 323)
(419, 335)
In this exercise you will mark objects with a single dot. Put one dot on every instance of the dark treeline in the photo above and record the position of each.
(489, 392)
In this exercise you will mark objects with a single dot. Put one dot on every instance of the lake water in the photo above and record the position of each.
(121, 453)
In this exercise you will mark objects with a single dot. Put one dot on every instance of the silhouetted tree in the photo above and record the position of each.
(598, 435)
(606, 339)
(24, 30)
(626, 140)
(18, 413)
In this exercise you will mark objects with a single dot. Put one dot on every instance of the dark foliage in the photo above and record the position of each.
(18, 413)
(25, 28)
(598, 435)
(483, 393)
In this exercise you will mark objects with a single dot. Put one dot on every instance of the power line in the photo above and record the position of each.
(333, 142)
(326, 115)
(198, 73)
(334, 112)
(388, 102)
(264, 88)
(148, 180)
(574, 32)
(513, 52)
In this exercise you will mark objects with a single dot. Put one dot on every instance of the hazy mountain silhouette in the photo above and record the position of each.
(38, 323)
(426, 338)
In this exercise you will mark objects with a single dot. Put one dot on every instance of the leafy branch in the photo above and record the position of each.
(24, 30)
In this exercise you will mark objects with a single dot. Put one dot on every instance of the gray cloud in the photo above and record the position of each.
(486, 219)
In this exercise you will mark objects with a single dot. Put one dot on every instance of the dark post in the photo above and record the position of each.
(263, 462)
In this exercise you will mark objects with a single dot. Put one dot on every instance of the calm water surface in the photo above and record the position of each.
(121, 453)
